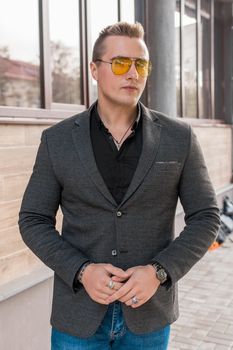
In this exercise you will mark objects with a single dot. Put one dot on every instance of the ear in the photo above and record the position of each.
(94, 70)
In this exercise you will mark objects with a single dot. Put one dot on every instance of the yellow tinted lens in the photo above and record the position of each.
(121, 65)
(143, 67)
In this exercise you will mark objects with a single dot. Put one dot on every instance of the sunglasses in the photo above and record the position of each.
(121, 65)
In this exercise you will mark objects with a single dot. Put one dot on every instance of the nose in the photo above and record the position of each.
(132, 73)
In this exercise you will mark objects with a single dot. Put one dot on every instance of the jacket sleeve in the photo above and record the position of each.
(37, 220)
(198, 199)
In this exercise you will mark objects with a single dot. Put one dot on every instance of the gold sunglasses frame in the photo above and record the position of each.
(132, 60)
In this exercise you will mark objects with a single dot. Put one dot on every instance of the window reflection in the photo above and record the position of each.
(102, 13)
(190, 64)
(205, 64)
(19, 53)
(127, 11)
(65, 51)
(177, 58)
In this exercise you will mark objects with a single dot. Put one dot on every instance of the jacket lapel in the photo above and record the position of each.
(82, 140)
(151, 140)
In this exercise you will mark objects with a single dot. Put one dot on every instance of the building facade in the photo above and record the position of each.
(45, 50)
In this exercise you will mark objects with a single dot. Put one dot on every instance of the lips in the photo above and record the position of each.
(130, 87)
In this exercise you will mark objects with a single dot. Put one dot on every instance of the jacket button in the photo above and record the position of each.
(114, 252)
(119, 214)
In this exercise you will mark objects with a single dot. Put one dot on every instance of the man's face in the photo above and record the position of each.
(123, 89)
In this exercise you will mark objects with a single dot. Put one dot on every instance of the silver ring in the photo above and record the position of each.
(111, 284)
(134, 300)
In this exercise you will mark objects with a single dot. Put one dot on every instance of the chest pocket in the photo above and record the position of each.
(170, 166)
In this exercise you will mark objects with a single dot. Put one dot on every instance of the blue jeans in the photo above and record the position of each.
(112, 334)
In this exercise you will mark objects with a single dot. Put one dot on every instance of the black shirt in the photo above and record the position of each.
(117, 167)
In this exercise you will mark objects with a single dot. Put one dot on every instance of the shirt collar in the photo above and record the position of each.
(101, 124)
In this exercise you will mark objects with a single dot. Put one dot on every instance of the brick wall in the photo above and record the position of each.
(216, 143)
(18, 146)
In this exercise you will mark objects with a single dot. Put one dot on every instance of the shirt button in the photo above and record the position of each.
(119, 214)
(114, 252)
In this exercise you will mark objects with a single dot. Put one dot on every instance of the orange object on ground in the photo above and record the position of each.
(214, 246)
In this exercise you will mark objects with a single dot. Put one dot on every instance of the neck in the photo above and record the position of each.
(117, 117)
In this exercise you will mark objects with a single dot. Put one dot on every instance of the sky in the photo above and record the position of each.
(19, 29)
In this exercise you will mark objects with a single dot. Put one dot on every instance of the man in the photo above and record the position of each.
(117, 171)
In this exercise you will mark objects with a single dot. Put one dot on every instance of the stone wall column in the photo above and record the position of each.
(158, 19)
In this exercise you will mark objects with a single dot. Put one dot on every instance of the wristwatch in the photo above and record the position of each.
(161, 273)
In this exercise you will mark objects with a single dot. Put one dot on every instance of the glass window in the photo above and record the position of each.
(65, 51)
(205, 62)
(127, 11)
(190, 62)
(101, 14)
(223, 59)
(19, 53)
(177, 58)
(219, 65)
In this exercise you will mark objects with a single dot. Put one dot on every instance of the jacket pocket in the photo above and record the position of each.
(168, 166)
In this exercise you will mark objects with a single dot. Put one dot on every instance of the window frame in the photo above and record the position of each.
(199, 54)
(48, 107)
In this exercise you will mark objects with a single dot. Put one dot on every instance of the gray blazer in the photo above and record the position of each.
(171, 165)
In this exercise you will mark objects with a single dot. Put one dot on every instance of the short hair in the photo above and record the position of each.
(131, 30)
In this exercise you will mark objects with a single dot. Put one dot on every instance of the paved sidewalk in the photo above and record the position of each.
(206, 304)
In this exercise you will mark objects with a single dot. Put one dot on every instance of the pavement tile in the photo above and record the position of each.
(199, 334)
(221, 336)
(206, 304)
(219, 328)
(216, 341)
(187, 341)
(179, 346)
(229, 329)
(207, 346)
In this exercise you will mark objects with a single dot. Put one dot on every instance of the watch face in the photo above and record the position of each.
(162, 275)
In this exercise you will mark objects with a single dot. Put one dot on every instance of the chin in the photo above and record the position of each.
(129, 100)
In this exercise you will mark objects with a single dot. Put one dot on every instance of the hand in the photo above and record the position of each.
(142, 283)
(96, 279)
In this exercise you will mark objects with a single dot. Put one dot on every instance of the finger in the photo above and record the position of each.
(101, 301)
(119, 279)
(128, 297)
(101, 296)
(141, 298)
(113, 270)
(121, 292)
(109, 291)
(133, 305)
(117, 286)
(131, 270)
(140, 301)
